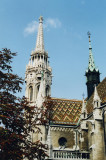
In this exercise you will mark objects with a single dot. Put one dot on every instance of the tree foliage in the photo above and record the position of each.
(18, 119)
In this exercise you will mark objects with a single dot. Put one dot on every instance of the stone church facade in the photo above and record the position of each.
(76, 128)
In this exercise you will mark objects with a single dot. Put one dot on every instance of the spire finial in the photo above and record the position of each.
(40, 19)
(89, 35)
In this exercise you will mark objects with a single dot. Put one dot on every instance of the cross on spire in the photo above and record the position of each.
(40, 19)
(89, 34)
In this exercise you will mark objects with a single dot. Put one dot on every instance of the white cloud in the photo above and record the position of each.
(31, 28)
(54, 23)
(48, 23)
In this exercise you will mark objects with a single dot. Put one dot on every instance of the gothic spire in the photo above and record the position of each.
(91, 65)
(40, 39)
(92, 73)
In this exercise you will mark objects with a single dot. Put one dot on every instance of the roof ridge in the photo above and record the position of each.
(65, 99)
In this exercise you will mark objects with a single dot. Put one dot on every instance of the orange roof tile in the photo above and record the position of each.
(64, 111)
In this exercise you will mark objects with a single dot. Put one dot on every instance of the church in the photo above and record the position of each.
(76, 128)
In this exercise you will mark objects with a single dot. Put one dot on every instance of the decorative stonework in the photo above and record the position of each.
(61, 129)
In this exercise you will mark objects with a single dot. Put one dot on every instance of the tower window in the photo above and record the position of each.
(39, 78)
(38, 57)
(30, 93)
(37, 90)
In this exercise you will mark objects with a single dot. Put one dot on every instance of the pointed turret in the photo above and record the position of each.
(92, 73)
(84, 111)
(96, 99)
(97, 112)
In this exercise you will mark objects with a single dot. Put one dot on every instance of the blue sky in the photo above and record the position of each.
(66, 23)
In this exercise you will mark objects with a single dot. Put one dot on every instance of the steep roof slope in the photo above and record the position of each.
(64, 111)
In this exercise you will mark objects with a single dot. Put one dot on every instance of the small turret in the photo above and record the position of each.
(96, 99)
(84, 111)
(92, 73)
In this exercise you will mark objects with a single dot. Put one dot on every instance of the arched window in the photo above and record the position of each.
(38, 57)
(37, 90)
(30, 93)
(47, 91)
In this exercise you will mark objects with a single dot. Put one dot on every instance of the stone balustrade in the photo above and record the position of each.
(70, 155)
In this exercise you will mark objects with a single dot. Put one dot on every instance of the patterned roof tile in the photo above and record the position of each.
(64, 111)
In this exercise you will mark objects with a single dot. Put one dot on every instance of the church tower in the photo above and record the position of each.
(38, 76)
(92, 73)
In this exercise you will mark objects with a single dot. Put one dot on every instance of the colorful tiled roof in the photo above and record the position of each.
(64, 111)
(101, 89)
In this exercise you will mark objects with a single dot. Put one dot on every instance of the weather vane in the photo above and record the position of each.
(88, 33)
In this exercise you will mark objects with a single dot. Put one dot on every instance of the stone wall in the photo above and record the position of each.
(56, 134)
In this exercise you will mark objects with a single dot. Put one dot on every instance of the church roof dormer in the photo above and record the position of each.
(40, 40)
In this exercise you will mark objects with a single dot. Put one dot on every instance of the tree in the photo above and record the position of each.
(17, 116)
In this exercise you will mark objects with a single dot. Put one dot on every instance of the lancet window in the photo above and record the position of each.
(31, 93)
